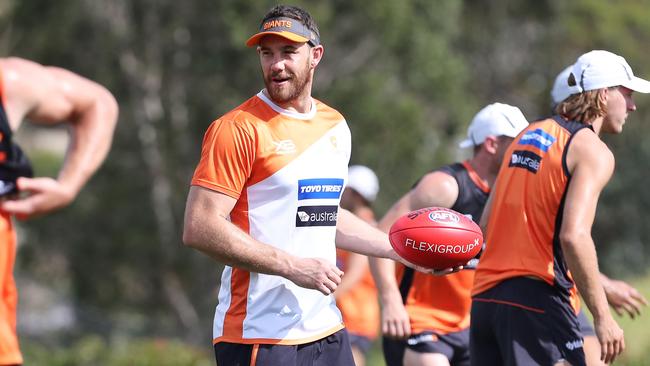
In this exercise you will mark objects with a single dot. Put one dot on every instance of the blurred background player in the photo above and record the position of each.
(621, 296)
(45, 95)
(425, 319)
(356, 296)
(538, 227)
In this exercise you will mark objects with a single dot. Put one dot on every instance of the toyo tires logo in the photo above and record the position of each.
(443, 216)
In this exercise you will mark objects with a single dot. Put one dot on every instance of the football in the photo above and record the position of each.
(436, 238)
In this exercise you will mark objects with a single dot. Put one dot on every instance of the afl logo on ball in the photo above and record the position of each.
(443, 216)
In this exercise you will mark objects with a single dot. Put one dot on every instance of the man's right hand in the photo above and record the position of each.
(315, 273)
(611, 338)
(395, 321)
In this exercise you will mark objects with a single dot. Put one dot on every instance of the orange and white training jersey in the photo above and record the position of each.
(287, 171)
(527, 208)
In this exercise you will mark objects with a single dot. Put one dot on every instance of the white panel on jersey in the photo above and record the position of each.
(295, 209)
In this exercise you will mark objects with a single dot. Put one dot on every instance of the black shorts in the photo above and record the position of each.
(523, 321)
(586, 329)
(331, 350)
(455, 346)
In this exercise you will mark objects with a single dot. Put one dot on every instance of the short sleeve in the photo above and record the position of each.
(227, 157)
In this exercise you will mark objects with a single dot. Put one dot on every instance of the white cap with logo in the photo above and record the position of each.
(363, 180)
(496, 119)
(602, 69)
(561, 88)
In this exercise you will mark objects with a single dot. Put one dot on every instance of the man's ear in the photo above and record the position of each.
(603, 94)
(316, 55)
(491, 144)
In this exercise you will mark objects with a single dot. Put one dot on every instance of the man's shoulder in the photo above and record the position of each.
(587, 148)
(326, 110)
(248, 113)
(438, 178)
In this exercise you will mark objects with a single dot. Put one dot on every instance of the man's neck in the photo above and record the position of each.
(597, 125)
(300, 104)
(482, 167)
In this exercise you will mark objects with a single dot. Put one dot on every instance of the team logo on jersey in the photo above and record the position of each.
(443, 216)
(537, 138)
(284, 147)
(334, 141)
(328, 188)
(525, 159)
(316, 216)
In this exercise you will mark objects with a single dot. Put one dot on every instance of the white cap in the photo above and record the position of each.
(496, 119)
(602, 69)
(561, 88)
(363, 180)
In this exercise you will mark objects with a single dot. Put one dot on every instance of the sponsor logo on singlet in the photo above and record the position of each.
(320, 188)
(537, 138)
(525, 159)
(316, 216)
(443, 216)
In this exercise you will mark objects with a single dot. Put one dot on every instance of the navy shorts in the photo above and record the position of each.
(331, 350)
(455, 346)
(586, 329)
(523, 321)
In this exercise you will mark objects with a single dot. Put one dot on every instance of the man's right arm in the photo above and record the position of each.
(435, 189)
(208, 230)
(591, 165)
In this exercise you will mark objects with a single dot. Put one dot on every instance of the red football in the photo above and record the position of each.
(436, 237)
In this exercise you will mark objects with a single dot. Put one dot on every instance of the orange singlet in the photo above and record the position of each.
(9, 350)
(524, 224)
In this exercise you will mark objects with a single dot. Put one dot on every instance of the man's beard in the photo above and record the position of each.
(297, 84)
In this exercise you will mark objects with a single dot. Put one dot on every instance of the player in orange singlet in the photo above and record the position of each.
(621, 296)
(45, 95)
(538, 227)
(356, 296)
(425, 319)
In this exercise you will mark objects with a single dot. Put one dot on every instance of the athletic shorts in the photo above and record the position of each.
(360, 342)
(455, 346)
(523, 321)
(586, 329)
(331, 350)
